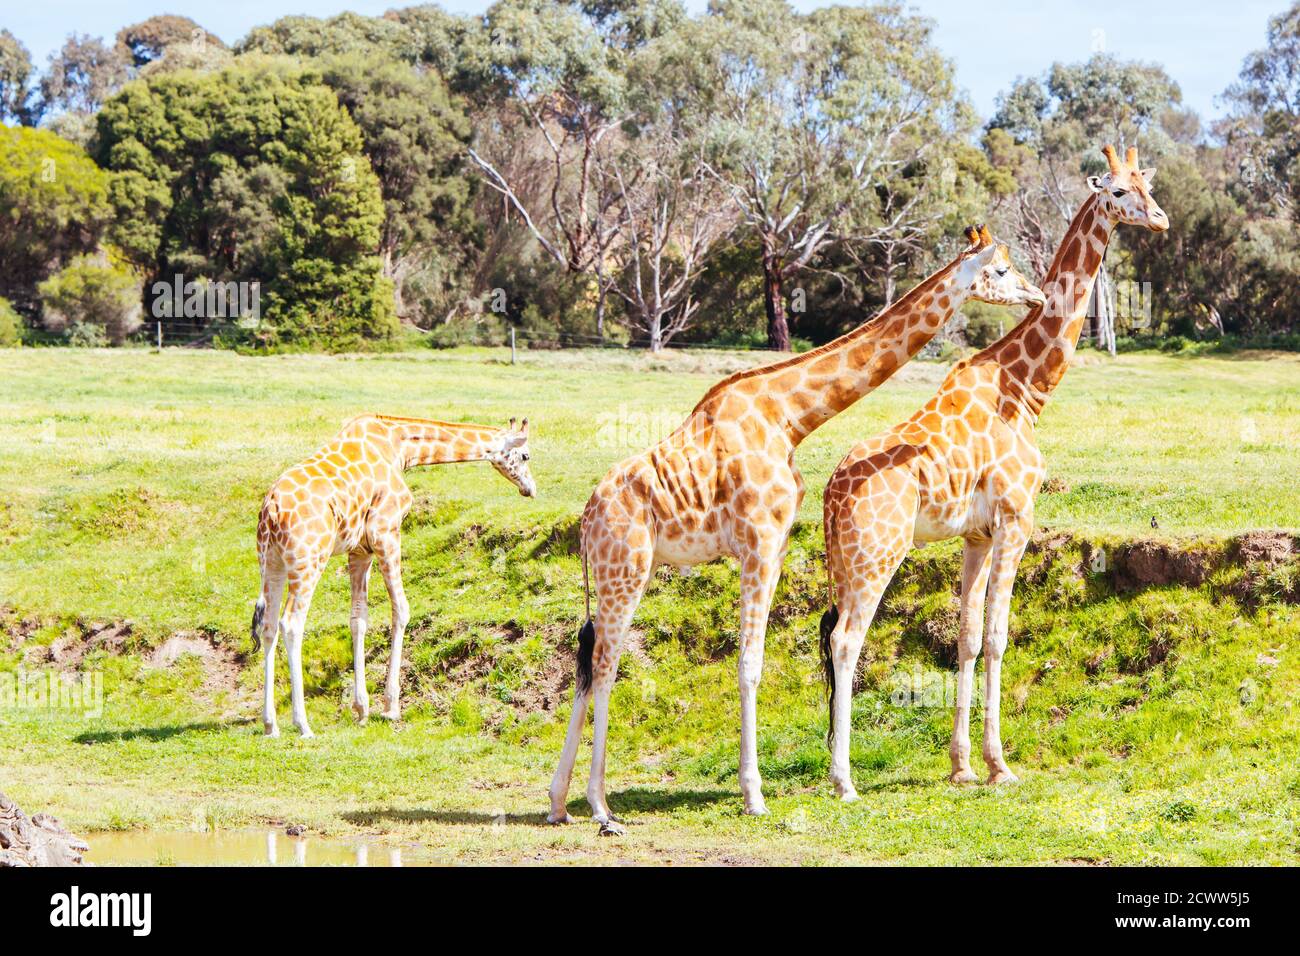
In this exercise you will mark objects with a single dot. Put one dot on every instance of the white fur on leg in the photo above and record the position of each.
(293, 632)
(559, 791)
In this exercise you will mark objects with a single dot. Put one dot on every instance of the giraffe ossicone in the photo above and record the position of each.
(350, 498)
(725, 483)
(966, 465)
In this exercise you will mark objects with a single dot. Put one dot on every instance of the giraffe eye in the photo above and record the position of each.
(1117, 193)
(1003, 271)
(525, 456)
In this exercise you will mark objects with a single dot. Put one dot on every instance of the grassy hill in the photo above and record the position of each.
(1148, 696)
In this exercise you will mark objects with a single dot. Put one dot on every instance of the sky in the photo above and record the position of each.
(1201, 43)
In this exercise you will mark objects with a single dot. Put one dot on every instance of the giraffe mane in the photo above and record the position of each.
(914, 293)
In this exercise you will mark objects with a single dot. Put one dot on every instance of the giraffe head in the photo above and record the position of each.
(1124, 193)
(986, 270)
(509, 455)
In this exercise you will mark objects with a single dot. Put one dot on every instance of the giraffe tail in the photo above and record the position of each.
(586, 637)
(259, 612)
(829, 620)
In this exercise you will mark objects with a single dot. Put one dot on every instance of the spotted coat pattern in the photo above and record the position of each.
(967, 465)
(350, 498)
(725, 483)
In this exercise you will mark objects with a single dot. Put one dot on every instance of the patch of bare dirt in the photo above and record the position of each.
(1267, 547)
(544, 692)
(221, 665)
(1148, 563)
(79, 641)
(1056, 486)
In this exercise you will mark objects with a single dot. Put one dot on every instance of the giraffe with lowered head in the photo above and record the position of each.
(350, 498)
(725, 483)
(966, 465)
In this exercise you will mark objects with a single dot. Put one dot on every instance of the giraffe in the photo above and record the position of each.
(725, 483)
(350, 497)
(966, 465)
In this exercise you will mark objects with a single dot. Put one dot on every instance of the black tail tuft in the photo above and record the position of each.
(829, 620)
(586, 649)
(259, 612)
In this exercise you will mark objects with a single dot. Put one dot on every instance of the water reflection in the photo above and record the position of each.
(241, 848)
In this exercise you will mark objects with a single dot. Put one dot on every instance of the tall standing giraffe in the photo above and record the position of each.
(350, 498)
(725, 483)
(966, 465)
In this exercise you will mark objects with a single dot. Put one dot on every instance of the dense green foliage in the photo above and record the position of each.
(54, 203)
(631, 172)
(91, 293)
(11, 324)
(252, 175)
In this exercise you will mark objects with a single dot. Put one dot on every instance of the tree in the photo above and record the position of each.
(810, 117)
(54, 202)
(1263, 130)
(15, 81)
(415, 135)
(1044, 125)
(562, 84)
(253, 174)
(82, 75)
(673, 212)
(92, 292)
(157, 37)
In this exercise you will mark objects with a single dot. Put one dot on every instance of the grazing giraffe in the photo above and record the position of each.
(725, 483)
(966, 465)
(350, 498)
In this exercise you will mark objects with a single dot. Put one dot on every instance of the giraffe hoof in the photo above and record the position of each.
(756, 809)
(559, 819)
(1002, 777)
(960, 777)
(849, 796)
(272, 731)
(306, 733)
(612, 828)
(361, 712)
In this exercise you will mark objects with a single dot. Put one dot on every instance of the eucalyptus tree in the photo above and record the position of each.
(557, 73)
(16, 77)
(807, 117)
(1042, 128)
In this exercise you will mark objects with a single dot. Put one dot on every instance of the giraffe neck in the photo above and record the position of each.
(1036, 353)
(424, 442)
(814, 387)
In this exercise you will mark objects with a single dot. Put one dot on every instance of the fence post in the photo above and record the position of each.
(159, 336)
(512, 345)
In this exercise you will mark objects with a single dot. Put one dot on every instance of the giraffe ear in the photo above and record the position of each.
(1094, 183)
(1149, 174)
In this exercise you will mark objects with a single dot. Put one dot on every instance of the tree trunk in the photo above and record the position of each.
(778, 329)
(655, 326)
(1104, 311)
(35, 841)
(889, 275)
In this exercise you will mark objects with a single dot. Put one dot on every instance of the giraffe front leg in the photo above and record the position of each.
(389, 553)
(974, 585)
(359, 571)
(294, 626)
(1008, 547)
(760, 570)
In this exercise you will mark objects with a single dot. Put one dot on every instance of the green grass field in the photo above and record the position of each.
(1147, 724)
